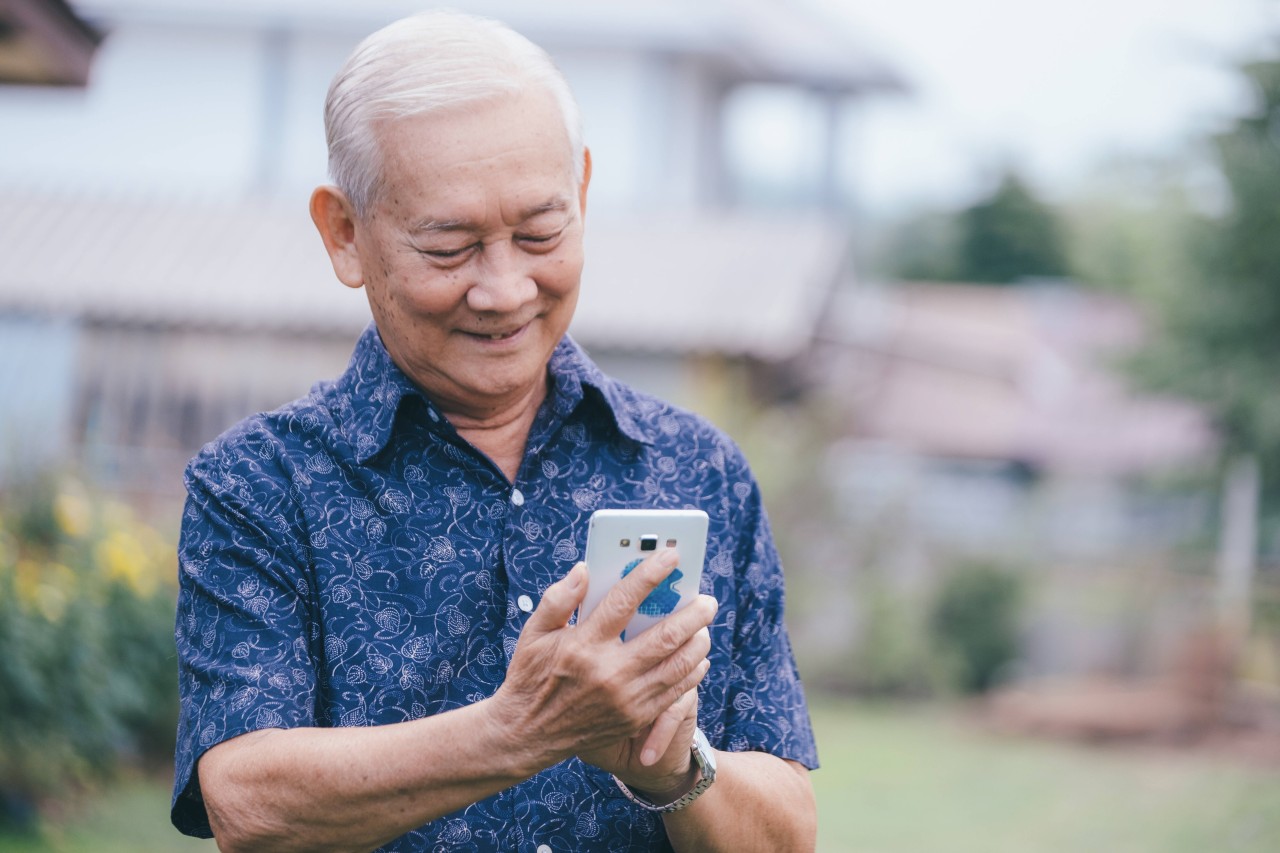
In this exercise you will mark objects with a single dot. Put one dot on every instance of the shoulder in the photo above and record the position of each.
(266, 446)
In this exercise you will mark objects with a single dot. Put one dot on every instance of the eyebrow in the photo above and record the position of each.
(434, 226)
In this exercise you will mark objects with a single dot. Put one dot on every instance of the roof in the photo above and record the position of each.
(1013, 373)
(43, 42)
(744, 40)
(734, 284)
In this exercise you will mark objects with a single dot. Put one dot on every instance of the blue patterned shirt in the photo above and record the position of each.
(350, 560)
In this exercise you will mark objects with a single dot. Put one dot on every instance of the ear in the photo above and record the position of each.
(336, 221)
(586, 179)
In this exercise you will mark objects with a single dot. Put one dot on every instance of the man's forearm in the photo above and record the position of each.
(350, 789)
(758, 802)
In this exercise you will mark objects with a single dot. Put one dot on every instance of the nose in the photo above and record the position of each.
(504, 280)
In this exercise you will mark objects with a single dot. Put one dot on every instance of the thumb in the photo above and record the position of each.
(559, 602)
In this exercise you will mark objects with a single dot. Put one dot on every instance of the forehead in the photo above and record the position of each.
(512, 144)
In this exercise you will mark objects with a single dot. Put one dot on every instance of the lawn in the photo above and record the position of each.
(917, 781)
(901, 780)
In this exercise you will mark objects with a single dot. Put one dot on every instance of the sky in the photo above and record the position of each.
(1052, 87)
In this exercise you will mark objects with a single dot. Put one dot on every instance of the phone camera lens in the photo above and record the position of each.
(648, 543)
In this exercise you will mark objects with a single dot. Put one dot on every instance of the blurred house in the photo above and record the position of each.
(995, 421)
(160, 277)
(44, 43)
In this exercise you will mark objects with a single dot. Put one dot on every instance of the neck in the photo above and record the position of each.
(501, 433)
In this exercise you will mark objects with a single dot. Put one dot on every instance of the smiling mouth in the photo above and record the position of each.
(499, 336)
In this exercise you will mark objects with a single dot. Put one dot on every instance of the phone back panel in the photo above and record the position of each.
(614, 539)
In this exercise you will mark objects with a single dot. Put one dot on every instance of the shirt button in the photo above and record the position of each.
(431, 413)
(517, 497)
(525, 603)
(544, 848)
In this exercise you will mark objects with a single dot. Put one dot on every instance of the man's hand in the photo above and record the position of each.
(629, 708)
(658, 761)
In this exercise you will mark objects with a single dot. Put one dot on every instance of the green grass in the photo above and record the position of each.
(896, 779)
(131, 816)
(899, 780)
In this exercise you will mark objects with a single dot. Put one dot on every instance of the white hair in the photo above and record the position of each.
(430, 62)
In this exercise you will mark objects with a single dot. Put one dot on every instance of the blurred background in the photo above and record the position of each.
(989, 292)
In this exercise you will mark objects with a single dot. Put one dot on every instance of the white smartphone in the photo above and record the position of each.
(618, 540)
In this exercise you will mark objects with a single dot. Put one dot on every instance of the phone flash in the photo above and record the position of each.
(671, 543)
(625, 543)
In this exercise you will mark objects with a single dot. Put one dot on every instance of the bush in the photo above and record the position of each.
(87, 673)
(974, 624)
(891, 658)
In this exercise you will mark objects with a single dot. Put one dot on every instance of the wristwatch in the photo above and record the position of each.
(703, 756)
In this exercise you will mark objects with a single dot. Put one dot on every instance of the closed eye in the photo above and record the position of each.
(536, 240)
(446, 254)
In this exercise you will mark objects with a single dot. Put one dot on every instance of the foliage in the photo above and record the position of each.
(890, 658)
(923, 247)
(1004, 238)
(974, 624)
(1218, 342)
(86, 615)
(1133, 227)
(1010, 236)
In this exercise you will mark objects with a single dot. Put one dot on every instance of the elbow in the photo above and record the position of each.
(805, 816)
(238, 828)
(235, 812)
(234, 830)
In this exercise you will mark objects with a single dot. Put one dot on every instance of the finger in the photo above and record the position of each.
(559, 602)
(663, 689)
(616, 609)
(668, 637)
(664, 729)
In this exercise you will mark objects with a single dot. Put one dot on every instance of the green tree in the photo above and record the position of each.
(1220, 336)
(1129, 226)
(1009, 236)
(974, 624)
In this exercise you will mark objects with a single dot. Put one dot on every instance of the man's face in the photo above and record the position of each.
(472, 252)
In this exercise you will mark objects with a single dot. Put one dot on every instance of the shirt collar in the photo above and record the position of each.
(373, 388)
(573, 373)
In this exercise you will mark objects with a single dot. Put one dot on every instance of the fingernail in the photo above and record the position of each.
(648, 757)
(575, 576)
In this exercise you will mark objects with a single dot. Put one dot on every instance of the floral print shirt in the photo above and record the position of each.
(350, 560)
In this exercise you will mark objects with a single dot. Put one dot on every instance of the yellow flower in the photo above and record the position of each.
(125, 560)
(71, 511)
(44, 587)
(26, 582)
(51, 602)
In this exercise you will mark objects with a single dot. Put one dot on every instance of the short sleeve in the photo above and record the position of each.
(244, 653)
(766, 709)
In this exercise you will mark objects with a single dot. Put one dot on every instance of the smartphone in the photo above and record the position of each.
(618, 540)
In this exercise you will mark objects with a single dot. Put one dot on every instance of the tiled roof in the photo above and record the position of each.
(730, 284)
(1021, 373)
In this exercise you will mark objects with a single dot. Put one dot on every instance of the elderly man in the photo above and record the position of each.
(376, 626)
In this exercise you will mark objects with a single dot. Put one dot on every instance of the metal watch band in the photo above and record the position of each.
(703, 757)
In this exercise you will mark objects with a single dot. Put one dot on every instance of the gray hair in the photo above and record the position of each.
(427, 63)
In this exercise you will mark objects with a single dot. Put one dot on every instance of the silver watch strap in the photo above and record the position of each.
(706, 775)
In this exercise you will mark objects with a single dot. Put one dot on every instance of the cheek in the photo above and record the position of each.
(563, 274)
